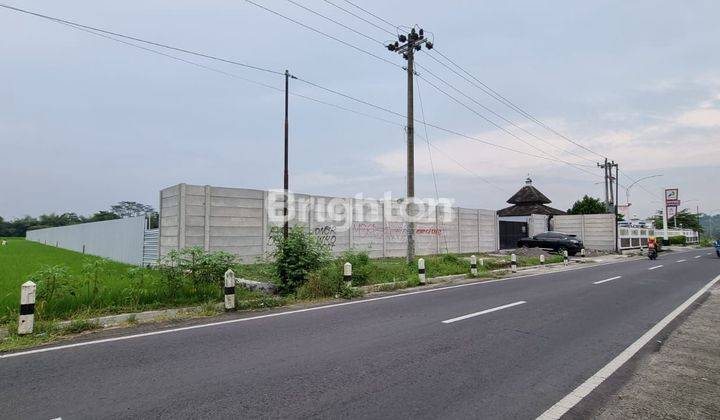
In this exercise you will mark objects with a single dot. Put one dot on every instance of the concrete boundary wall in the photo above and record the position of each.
(597, 231)
(236, 220)
(119, 240)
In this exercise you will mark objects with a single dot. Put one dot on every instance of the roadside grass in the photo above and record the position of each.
(99, 286)
(389, 270)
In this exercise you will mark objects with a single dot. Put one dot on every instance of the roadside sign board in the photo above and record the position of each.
(671, 194)
(671, 211)
(673, 203)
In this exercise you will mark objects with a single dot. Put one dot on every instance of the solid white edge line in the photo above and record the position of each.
(574, 397)
(486, 311)
(657, 266)
(606, 280)
(334, 305)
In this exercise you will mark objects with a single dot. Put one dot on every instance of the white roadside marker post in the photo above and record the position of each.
(421, 270)
(347, 274)
(565, 257)
(542, 259)
(482, 262)
(229, 290)
(513, 263)
(27, 308)
(473, 265)
(582, 252)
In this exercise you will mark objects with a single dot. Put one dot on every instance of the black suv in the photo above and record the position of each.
(557, 241)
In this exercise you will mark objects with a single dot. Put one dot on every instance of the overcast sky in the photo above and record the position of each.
(86, 122)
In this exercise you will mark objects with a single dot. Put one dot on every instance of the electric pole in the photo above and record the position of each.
(286, 174)
(607, 196)
(407, 45)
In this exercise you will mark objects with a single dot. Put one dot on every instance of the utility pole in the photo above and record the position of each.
(615, 202)
(407, 45)
(605, 168)
(286, 173)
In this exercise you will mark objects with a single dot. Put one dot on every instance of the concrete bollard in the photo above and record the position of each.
(347, 274)
(542, 259)
(513, 263)
(421, 270)
(482, 262)
(473, 265)
(229, 290)
(582, 252)
(565, 257)
(27, 308)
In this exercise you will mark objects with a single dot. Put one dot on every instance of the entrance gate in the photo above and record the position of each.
(511, 232)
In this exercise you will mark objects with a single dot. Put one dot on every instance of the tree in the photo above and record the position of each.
(684, 218)
(103, 215)
(588, 205)
(131, 208)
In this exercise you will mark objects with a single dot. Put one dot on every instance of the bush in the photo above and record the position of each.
(361, 266)
(295, 258)
(678, 240)
(199, 265)
(53, 283)
(94, 271)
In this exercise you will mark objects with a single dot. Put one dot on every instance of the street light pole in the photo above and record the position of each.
(627, 189)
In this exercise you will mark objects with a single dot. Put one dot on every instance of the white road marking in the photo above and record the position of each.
(292, 312)
(680, 260)
(582, 391)
(486, 311)
(709, 253)
(653, 268)
(697, 256)
(610, 279)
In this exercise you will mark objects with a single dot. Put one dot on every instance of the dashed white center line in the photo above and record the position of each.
(653, 268)
(709, 253)
(680, 260)
(610, 279)
(486, 311)
(697, 256)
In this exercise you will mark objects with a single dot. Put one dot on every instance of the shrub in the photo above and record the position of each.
(53, 282)
(361, 266)
(199, 265)
(678, 240)
(295, 258)
(94, 271)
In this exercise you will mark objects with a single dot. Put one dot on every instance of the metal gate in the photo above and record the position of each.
(511, 232)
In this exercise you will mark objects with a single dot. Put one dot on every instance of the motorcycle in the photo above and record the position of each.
(652, 253)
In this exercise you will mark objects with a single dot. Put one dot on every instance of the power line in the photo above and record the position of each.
(500, 98)
(335, 22)
(550, 157)
(361, 18)
(490, 110)
(208, 56)
(317, 31)
(371, 14)
(157, 44)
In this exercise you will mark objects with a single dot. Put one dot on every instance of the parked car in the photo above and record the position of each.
(557, 241)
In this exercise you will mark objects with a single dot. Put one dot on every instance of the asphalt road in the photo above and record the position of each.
(383, 358)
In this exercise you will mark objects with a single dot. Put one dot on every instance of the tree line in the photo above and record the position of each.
(123, 209)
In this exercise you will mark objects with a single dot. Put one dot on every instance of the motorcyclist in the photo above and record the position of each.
(652, 246)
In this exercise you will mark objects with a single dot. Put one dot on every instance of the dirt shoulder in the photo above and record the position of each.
(680, 379)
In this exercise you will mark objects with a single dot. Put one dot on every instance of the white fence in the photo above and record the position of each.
(236, 220)
(597, 231)
(120, 240)
(629, 237)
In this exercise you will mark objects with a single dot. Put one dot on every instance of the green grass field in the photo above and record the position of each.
(117, 291)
